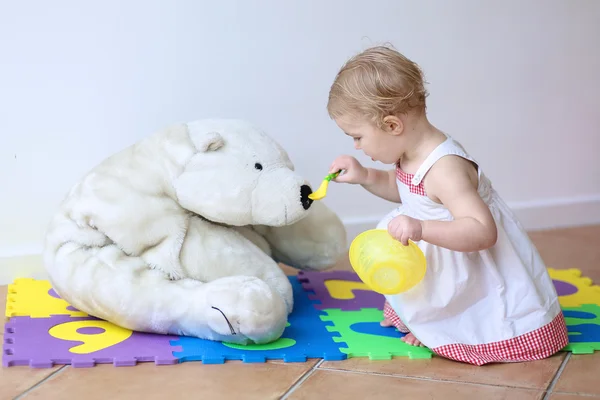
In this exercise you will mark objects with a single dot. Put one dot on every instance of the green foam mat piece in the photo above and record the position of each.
(360, 344)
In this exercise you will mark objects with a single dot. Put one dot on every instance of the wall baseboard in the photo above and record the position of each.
(24, 266)
(25, 261)
(558, 213)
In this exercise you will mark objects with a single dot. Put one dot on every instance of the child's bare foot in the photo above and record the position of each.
(409, 338)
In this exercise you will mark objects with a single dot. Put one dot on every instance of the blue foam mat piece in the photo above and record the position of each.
(306, 336)
(584, 333)
(374, 328)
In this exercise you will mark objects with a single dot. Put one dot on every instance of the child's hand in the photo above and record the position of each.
(403, 228)
(353, 173)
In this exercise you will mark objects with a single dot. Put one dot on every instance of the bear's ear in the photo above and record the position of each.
(210, 142)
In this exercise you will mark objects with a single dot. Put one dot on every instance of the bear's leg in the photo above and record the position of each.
(316, 242)
(252, 235)
(212, 251)
(108, 284)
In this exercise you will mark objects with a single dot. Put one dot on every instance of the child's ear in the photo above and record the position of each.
(393, 125)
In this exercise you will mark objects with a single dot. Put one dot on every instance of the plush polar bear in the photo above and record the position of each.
(180, 234)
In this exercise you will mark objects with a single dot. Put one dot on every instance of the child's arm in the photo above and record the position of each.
(453, 182)
(380, 183)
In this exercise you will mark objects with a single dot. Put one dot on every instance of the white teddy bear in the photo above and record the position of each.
(180, 234)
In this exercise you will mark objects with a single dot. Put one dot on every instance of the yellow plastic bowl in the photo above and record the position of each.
(386, 265)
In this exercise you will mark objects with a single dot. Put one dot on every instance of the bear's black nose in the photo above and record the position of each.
(305, 190)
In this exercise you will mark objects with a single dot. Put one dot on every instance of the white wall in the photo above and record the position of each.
(516, 81)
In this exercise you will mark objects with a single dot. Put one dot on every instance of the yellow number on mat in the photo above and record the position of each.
(92, 342)
(339, 289)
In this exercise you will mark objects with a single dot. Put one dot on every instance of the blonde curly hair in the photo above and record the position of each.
(376, 83)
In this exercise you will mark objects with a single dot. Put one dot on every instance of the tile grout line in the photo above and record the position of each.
(578, 394)
(301, 380)
(554, 380)
(422, 378)
(40, 383)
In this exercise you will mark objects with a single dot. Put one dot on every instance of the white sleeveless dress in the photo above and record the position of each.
(495, 305)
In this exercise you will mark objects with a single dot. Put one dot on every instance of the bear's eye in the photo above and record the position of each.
(258, 166)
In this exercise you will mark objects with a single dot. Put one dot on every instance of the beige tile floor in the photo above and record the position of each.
(562, 377)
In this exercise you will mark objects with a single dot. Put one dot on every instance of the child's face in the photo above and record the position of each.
(381, 145)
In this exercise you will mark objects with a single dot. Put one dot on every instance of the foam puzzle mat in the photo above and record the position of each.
(335, 317)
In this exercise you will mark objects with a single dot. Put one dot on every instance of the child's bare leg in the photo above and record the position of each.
(390, 318)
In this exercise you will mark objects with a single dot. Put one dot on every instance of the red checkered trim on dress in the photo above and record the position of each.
(406, 179)
(389, 313)
(535, 345)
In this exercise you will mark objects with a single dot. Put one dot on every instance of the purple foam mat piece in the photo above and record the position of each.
(28, 342)
(564, 288)
(315, 281)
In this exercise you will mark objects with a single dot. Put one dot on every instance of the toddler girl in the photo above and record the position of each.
(487, 296)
